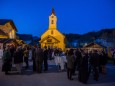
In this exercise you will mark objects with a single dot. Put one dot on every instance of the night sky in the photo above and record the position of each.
(74, 16)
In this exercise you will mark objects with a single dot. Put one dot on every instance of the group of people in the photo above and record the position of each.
(81, 60)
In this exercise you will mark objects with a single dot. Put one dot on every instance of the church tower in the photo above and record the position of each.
(52, 20)
(52, 37)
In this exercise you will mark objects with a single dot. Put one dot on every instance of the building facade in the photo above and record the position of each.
(7, 29)
(52, 37)
(7, 32)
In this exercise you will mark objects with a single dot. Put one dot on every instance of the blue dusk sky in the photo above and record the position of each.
(74, 16)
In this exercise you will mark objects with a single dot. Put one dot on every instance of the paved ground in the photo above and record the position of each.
(54, 78)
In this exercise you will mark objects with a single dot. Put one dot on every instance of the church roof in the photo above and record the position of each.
(48, 37)
(4, 21)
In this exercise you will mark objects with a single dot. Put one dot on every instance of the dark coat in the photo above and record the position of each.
(104, 59)
(18, 57)
(70, 61)
(39, 55)
(83, 70)
(6, 61)
(46, 54)
(94, 59)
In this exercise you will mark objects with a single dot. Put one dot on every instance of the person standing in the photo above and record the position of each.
(94, 62)
(18, 59)
(30, 54)
(50, 53)
(104, 62)
(26, 56)
(33, 58)
(70, 63)
(45, 59)
(39, 59)
(7, 61)
(83, 70)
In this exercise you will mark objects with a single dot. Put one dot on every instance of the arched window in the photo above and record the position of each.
(52, 22)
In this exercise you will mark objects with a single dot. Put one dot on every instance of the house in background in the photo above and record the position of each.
(94, 46)
(8, 29)
(7, 32)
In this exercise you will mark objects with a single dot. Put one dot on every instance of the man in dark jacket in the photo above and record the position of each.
(83, 69)
(70, 63)
(94, 64)
(39, 59)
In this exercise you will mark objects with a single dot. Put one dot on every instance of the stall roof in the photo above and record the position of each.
(91, 44)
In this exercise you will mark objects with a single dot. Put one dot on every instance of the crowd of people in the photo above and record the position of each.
(81, 60)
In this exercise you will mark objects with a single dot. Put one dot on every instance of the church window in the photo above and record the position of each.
(52, 32)
(49, 40)
(52, 22)
(52, 16)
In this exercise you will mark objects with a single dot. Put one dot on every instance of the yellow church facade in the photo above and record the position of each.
(52, 37)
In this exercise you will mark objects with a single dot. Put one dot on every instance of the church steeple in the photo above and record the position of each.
(52, 20)
(53, 12)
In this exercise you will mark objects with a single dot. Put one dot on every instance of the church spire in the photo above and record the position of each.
(52, 20)
(53, 12)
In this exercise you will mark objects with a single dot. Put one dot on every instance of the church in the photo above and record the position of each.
(52, 37)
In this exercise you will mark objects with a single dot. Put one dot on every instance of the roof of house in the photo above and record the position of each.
(4, 21)
(92, 43)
